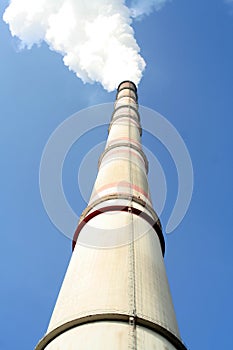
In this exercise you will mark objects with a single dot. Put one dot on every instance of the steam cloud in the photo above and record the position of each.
(95, 37)
(145, 7)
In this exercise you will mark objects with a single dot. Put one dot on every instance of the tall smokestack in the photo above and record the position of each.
(115, 294)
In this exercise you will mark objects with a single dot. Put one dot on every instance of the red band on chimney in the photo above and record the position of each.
(153, 223)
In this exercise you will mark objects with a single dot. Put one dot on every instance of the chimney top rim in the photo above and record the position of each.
(130, 82)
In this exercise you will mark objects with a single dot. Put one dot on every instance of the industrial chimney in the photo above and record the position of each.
(115, 294)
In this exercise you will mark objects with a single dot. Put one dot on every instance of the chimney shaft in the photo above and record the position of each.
(115, 294)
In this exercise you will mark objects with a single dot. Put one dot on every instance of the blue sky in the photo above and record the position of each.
(188, 47)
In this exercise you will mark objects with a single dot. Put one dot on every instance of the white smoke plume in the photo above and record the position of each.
(145, 7)
(95, 37)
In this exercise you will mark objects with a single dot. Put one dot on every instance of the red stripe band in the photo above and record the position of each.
(155, 224)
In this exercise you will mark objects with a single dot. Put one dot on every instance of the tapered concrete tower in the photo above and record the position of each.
(115, 294)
